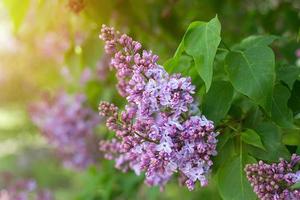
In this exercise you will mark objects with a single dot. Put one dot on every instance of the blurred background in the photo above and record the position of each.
(49, 47)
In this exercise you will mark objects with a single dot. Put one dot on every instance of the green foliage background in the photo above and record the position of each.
(240, 55)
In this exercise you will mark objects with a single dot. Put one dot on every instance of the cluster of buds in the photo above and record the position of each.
(159, 132)
(274, 181)
(68, 125)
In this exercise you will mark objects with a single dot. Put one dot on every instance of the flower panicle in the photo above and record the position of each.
(158, 132)
(68, 125)
(274, 181)
(23, 189)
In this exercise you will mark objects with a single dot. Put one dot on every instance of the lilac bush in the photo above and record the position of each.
(274, 181)
(68, 124)
(159, 132)
(23, 189)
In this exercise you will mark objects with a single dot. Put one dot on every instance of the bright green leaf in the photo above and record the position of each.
(251, 137)
(180, 48)
(179, 64)
(256, 40)
(252, 72)
(184, 65)
(201, 41)
(217, 101)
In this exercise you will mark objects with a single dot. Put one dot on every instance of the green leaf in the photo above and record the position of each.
(181, 64)
(225, 148)
(217, 101)
(17, 11)
(201, 42)
(251, 137)
(298, 150)
(294, 101)
(252, 72)
(288, 74)
(280, 113)
(253, 117)
(232, 181)
(184, 65)
(272, 141)
(256, 40)
(291, 137)
(296, 186)
(180, 48)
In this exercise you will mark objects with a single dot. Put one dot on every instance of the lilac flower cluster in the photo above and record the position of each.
(69, 126)
(273, 181)
(23, 190)
(159, 132)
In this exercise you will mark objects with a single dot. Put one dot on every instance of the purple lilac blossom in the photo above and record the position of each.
(23, 190)
(68, 124)
(158, 132)
(274, 181)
